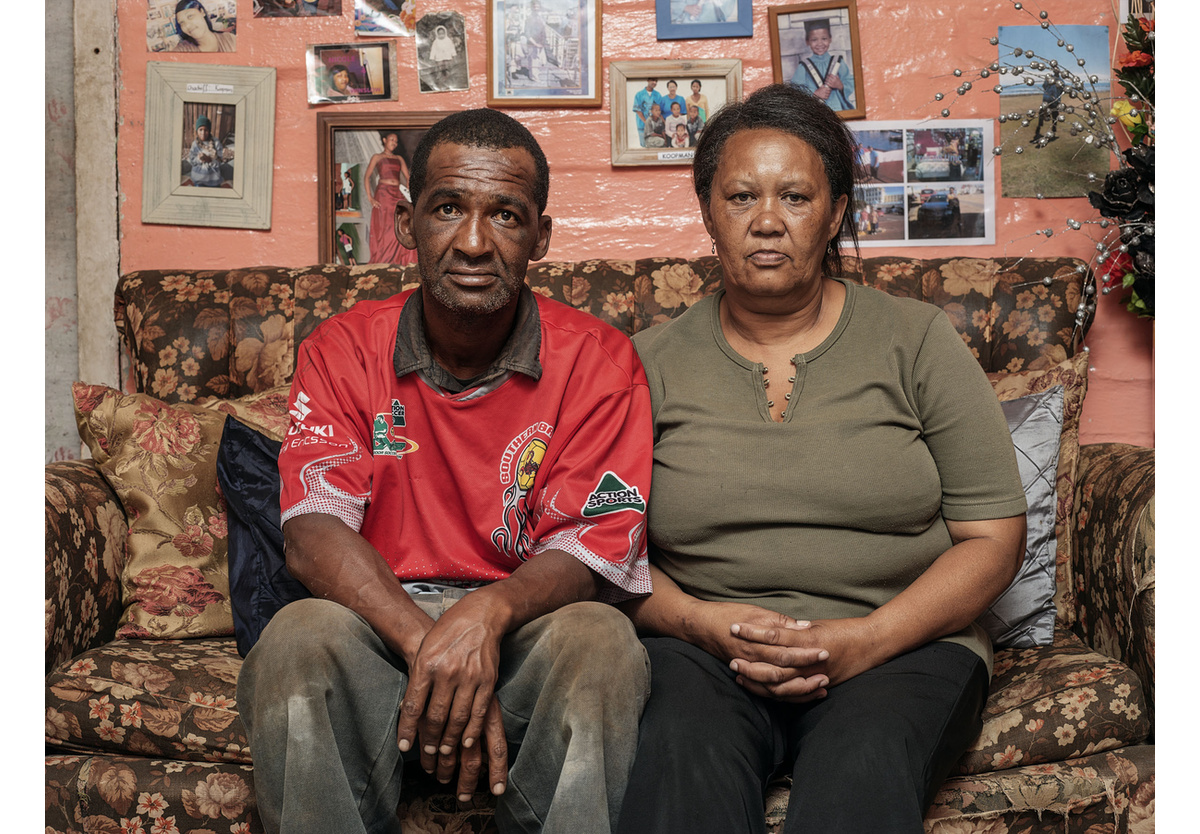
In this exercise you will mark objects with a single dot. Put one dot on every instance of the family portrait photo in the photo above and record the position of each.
(660, 108)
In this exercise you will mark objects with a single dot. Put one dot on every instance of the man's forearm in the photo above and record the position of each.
(338, 564)
(543, 584)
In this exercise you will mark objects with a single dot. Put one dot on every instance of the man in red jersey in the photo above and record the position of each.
(463, 491)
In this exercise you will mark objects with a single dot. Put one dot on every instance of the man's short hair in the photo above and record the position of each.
(481, 128)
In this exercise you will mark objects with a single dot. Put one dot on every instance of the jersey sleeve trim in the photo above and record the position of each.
(622, 580)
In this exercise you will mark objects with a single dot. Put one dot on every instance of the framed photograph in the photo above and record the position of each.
(543, 53)
(384, 18)
(925, 183)
(659, 108)
(362, 174)
(297, 8)
(210, 137)
(442, 52)
(693, 19)
(341, 73)
(815, 46)
(194, 26)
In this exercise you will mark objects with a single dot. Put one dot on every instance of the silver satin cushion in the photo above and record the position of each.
(1023, 616)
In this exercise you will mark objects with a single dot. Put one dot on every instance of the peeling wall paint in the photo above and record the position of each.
(601, 211)
(62, 322)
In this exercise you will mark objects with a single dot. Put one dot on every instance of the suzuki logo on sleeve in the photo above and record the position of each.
(300, 408)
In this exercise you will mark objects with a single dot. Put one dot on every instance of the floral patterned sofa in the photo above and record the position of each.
(142, 728)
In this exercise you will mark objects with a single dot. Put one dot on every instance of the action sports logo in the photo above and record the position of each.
(612, 495)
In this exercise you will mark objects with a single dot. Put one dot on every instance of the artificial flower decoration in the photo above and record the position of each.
(1128, 193)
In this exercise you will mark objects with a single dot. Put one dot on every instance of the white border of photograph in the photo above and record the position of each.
(975, 183)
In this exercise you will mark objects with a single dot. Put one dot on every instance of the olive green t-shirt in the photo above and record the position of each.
(892, 427)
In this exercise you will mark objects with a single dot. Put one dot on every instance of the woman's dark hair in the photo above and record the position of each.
(191, 4)
(791, 110)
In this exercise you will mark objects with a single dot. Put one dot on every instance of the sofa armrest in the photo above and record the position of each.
(86, 535)
(1114, 555)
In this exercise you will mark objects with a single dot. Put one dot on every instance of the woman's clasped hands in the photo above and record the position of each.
(778, 657)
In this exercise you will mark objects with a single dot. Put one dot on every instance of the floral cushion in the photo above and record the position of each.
(132, 795)
(1051, 703)
(85, 552)
(1104, 793)
(160, 460)
(232, 332)
(1071, 374)
(157, 698)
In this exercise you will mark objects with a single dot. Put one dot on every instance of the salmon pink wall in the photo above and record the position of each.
(909, 51)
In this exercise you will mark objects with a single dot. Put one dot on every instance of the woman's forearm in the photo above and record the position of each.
(662, 612)
(956, 589)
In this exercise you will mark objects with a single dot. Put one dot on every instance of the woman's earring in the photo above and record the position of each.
(714, 241)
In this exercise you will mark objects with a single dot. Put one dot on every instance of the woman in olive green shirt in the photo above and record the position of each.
(835, 500)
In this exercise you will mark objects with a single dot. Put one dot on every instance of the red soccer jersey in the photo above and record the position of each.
(460, 488)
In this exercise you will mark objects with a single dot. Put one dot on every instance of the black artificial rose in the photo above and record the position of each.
(1120, 195)
(1143, 263)
(1141, 159)
(1144, 287)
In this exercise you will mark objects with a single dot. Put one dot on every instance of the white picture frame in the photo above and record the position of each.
(242, 202)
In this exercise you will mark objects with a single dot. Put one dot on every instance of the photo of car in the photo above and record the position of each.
(937, 210)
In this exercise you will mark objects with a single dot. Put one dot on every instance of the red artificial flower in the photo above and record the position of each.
(1117, 267)
(1136, 59)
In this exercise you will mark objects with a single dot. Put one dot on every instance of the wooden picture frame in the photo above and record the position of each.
(543, 53)
(345, 144)
(794, 61)
(696, 19)
(234, 190)
(720, 83)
